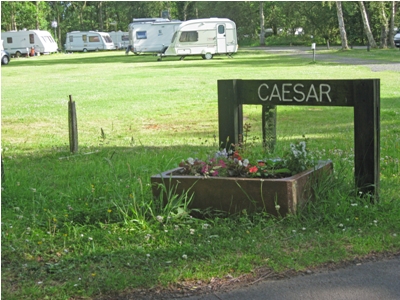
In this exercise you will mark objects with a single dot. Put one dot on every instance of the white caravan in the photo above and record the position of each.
(88, 41)
(20, 42)
(120, 39)
(151, 35)
(205, 37)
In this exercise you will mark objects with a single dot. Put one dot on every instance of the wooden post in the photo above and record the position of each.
(230, 114)
(269, 127)
(367, 136)
(3, 174)
(73, 126)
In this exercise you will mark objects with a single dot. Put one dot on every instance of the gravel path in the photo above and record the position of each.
(374, 65)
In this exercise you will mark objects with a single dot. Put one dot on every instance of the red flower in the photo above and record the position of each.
(253, 169)
(237, 155)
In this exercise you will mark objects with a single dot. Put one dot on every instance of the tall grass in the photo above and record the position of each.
(86, 224)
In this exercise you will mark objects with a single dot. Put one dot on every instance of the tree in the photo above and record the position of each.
(342, 28)
(384, 25)
(367, 28)
(57, 8)
(20, 14)
(320, 20)
(262, 25)
(391, 26)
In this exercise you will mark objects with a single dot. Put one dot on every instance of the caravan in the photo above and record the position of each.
(151, 35)
(88, 41)
(120, 39)
(20, 42)
(205, 37)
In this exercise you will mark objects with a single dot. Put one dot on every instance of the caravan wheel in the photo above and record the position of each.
(5, 60)
(208, 56)
(17, 54)
(84, 50)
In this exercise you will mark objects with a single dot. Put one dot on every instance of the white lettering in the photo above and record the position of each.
(326, 92)
(312, 93)
(289, 92)
(275, 93)
(285, 91)
(299, 92)
(259, 92)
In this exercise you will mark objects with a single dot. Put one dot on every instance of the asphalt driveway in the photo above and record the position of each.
(306, 52)
(371, 280)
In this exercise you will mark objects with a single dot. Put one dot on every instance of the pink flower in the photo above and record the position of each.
(222, 164)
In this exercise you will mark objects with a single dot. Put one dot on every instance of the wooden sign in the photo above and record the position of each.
(362, 94)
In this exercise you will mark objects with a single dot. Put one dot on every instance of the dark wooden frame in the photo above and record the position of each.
(362, 94)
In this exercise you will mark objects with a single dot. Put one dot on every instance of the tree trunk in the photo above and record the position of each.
(262, 25)
(384, 25)
(367, 28)
(37, 16)
(12, 17)
(185, 8)
(391, 25)
(59, 32)
(81, 9)
(101, 27)
(342, 29)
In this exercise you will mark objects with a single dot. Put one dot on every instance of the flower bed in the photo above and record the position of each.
(277, 196)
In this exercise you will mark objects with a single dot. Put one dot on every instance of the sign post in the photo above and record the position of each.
(362, 94)
(313, 49)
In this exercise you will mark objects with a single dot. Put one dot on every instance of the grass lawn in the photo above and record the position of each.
(78, 226)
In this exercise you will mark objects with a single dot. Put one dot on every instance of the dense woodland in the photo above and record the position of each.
(258, 22)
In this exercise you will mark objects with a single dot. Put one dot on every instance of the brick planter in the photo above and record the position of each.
(232, 195)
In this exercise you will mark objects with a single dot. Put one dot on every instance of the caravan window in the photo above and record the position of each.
(107, 38)
(9, 40)
(125, 38)
(189, 36)
(94, 39)
(31, 38)
(141, 35)
(71, 38)
(84, 38)
(221, 29)
(46, 39)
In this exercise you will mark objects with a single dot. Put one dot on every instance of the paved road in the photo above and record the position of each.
(306, 52)
(378, 280)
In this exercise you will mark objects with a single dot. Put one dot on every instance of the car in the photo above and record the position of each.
(5, 57)
(397, 40)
